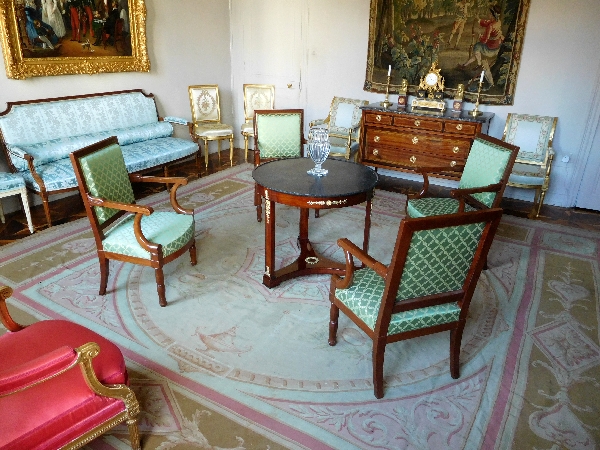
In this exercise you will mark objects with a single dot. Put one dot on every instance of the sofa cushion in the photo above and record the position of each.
(156, 152)
(57, 149)
(139, 156)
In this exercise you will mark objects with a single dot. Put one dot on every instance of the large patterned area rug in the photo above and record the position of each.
(231, 364)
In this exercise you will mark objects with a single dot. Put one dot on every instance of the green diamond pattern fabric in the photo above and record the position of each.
(363, 297)
(485, 165)
(106, 177)
(425, 207)
(279, 135)
(169, 229)
(438, 261)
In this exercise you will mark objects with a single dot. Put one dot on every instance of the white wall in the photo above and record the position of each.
(197, 41)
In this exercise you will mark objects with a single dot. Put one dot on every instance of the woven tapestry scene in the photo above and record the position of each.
(232, 364)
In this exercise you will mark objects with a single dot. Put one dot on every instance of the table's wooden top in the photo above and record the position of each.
(288, 176)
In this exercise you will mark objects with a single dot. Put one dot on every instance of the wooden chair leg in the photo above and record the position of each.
(258, 204)
(193, 255)
(231, 151)
(104, 269)
(334, 314)
(134, 434)
(160, 286)
(378, 356)
(46, 208)
(455, 339)
(246, 147)
(206, 153)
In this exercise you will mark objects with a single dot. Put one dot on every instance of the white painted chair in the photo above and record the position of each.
(13, 184)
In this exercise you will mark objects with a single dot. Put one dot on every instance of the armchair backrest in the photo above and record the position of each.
(258, 96)
(278, 133)
(490, 161)
(438, 259)
(533, 134)
(205, 104)
(101, 172)
(344, 115)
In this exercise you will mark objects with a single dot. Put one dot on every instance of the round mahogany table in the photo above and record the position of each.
(285, 181)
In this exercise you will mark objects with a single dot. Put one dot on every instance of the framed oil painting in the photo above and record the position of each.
(464, 37)
(60, 37)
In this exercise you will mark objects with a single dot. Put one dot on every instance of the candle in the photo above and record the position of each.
(481, 77)
(389, 70)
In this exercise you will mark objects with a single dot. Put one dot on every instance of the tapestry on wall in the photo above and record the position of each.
(464, 37)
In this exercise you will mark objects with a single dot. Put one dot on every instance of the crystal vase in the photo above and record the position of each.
(318, 149)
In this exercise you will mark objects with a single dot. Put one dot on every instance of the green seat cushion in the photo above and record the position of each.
(425, 207)
(363, 297)
(169, 229)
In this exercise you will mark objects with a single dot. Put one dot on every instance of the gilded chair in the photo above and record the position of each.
(206, 119)
(278, 133)
(534, 136)
(124, 230)
(256, 96)
(61, 385)
(343, 123)
(482, 182)
(426, 289)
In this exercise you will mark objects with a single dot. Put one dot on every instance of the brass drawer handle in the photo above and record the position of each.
(415, 140)
(377, 138)
(459, 126)
(375, 152)
(417, 123)
(413, 159)
(378, 118)
(452, 163)
(455, 149)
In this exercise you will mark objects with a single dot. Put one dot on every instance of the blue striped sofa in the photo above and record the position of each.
(37, 136)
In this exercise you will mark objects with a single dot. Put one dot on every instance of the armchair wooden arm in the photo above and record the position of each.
(425, 171)
(7, 321)
(351, 251)
(138, 210)
(175, 181)
(465, 195)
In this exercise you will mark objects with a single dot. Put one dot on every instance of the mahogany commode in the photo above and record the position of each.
(285, 181)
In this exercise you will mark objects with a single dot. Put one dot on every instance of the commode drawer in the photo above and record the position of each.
(407, 158)
(464, 128)
(373, 117)
(418, 123)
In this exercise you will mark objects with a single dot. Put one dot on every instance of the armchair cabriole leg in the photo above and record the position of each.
(193, 254)
(378, 356)
(160, 286)
(134, 434)
(455, 339)
(104, 270)
(334, 314)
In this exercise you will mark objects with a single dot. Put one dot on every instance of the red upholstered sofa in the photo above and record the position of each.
(61, 385)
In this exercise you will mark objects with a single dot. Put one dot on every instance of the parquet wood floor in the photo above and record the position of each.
(71, 208)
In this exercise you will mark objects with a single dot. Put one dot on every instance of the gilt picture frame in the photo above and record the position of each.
(64, 37)
(464, 37)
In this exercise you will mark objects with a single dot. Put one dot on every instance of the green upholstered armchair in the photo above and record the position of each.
(482, 183)
(278, 133)
(142, 237)
(206, 119)
(256, 96)
(426, 288)
(534, 136)
(343, 123)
